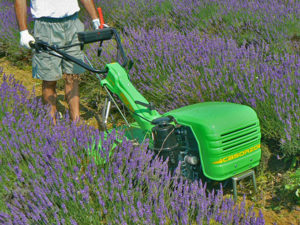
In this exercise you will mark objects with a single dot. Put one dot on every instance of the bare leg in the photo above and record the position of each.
(72, 95)
(50, 96)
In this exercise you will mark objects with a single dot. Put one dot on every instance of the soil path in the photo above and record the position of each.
(282, 217)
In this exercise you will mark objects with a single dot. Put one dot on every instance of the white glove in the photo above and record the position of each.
(25, 38)
(96, 24)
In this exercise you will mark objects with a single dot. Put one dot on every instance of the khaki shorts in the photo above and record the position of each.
(58, 32)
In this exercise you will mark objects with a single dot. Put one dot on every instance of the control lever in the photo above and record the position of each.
(99, 51)
(150, 106)
(130, 64)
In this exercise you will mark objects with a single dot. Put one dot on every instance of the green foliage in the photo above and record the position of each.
(202, 17)
(291, 186)
(91, 92)
(19, 57)
(265, 157)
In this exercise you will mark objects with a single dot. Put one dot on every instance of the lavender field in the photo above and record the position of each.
(47, 176)
(184, 52)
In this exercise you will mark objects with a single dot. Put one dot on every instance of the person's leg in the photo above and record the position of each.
(72, 95)
(71, 70)
(50, 96)
(47, 67)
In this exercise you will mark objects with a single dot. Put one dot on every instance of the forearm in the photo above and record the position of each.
(90, 8)
(21, 14)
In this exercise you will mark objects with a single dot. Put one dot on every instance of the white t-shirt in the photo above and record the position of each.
(53, 8)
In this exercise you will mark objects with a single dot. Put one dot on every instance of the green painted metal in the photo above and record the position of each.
(117, 81)
(228, 136)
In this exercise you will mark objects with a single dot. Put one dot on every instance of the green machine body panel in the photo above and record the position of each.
(228, 136)
(117, 81)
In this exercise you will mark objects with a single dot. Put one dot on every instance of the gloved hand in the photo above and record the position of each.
(96, 24)
(25, 38)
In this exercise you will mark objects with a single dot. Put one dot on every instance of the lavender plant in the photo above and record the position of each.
(255, 21)
(9, 34)
(252, 21)
(48, 177)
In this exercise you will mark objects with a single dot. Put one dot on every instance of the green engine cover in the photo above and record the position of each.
(228, 136)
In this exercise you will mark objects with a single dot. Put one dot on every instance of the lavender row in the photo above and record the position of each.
(190, 68)
(9, 26)
(47, 176)
(274, 22)
(9, 34)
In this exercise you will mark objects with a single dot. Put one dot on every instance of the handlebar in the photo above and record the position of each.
(84, 38)
(101, 35)
(39, 46)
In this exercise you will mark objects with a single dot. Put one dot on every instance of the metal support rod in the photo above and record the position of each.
(240, 177)
(254, 182)
(112, 99)
(105, 112)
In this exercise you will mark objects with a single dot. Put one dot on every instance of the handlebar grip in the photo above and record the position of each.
(87, 37)
(32, 44)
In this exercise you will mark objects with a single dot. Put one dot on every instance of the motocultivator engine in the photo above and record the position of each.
(178, 145)
(164, 141)
(189, 154)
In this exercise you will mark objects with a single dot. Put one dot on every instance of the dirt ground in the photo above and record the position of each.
(281, 217)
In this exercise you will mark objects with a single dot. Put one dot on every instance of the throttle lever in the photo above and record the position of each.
(149, 105)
